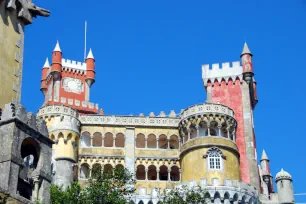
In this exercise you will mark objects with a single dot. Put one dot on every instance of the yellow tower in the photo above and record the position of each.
(64, 129)
(209, 155)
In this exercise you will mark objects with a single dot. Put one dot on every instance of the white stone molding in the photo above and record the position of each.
(129, 121)
(225, 72)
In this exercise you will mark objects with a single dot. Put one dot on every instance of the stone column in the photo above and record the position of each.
(180, 171)
(146, 170)
(188, 130)
(36, 189)
(157, 172)
(234, 136)
(146, 142)
(179, 144)
(208, 130)
(198, 130)
(114, 141)
(228, 134)
(169, 174)
(168, 141)
(219, 129)
(91, 141)
(156, 143)
(102, 140)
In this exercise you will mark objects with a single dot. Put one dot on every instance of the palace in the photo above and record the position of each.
(212, 144)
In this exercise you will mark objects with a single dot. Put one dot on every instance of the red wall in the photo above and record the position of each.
(230, 95)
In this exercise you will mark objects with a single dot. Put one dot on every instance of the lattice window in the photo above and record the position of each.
(214, 158)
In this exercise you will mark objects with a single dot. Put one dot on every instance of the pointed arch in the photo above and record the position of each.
(140, 202)
(150, 202)
(217, 198)
(235, 198)
(226, 198)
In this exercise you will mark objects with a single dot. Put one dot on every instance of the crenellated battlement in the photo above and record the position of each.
(224, 72)
(71, 65)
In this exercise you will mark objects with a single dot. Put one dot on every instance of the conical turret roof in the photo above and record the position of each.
(47, 64)
(90, 55)
(264, 155)
(57, 47)
(246, 49)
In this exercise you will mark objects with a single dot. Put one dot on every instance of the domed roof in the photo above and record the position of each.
(283, 175)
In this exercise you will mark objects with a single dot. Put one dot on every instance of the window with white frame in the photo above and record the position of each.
(214, 159)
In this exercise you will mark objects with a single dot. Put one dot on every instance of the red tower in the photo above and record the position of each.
(234, 86)
(68, 82)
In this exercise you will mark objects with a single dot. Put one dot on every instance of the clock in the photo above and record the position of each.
(72, 85)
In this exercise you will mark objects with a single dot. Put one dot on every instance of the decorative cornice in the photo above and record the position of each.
(129, 121)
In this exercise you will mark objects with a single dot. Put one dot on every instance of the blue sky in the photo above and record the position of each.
(149, 56)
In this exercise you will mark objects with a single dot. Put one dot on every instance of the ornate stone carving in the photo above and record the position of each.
(26, 10)
(72, 85)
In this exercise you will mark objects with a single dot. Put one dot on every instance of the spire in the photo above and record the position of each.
(264, 155)
(47, 64)
(90, 55)
(246, 49)
(57, 47)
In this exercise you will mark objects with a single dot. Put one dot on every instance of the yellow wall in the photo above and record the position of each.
(64, 147)
(8, 48)
(194, 166)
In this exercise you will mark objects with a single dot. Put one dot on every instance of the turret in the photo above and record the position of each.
(284, 187)
(90, 69)
(56, 62)
(246, 58)
(266, 174)
(45, 70)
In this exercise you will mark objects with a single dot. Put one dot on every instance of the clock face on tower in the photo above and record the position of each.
(72, 85)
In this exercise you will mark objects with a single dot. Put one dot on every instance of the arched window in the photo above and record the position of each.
(141, 202)
(163, 173)
(152, 173)
(175, 174)
(140, 141)
(151, 141)
(163, 142)
(85, 139)
(97, 139)
(119, 142)
(214, 158)
(96, 170)
(119, 166)
(217, 199)
(108, 140)
(174, 142)
(84, 171)
(140, 172)
(108, 168)
(212, 132)
(150, 202)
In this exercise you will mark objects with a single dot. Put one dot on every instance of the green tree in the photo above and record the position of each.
(184, 195)
(112, 187)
